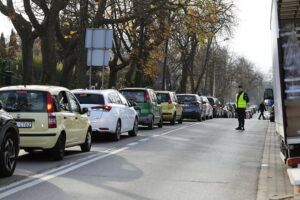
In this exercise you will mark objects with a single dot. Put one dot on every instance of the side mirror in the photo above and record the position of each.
(84, 110)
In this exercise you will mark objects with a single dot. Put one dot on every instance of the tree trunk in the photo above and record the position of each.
(49, 55)
(113, 74)
(81, 68)
(68, 66)
(27, 59)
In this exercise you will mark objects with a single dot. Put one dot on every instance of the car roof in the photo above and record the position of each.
(137, 88)
(93, 91)
(46, 88)
(188, 94)
(164, 92)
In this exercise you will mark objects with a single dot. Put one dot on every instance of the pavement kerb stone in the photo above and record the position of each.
(273, 181)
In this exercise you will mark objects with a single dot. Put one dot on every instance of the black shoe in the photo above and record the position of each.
(243, 129)
(238, 128)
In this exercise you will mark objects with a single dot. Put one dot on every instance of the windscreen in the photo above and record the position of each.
(24, 101)
(211, 101)
(186, 98)
(138, 96)
(163, 97)
(84, 98)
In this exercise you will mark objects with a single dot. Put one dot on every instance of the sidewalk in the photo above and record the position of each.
(273, 178)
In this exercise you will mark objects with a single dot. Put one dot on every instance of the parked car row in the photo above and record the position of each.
(52, 118)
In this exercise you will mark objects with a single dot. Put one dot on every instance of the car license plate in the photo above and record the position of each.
(24, 124)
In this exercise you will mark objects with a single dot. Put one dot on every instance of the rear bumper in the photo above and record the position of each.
(38, 140)
(167, 116)
(191, 115)
(145, 120)
(103, 124)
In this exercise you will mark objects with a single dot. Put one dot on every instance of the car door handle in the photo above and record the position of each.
(76, 117)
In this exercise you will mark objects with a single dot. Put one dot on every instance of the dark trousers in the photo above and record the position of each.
(261, 115)
(241, 112)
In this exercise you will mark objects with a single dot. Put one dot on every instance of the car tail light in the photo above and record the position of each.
(51, 115)
(214, 106)
(147, 96)
(104, 107)
(50, 108)
(52, 120)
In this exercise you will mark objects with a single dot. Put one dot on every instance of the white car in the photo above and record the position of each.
(208, 107)
(109, 112)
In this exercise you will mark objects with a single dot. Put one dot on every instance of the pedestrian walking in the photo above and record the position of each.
(262, 109)
(241, 104)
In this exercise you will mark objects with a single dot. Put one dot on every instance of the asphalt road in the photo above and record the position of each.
(206, 160)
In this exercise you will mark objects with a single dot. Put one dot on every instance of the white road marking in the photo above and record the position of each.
(144, 140)
(132, 144)
(47, 175)
(39, 178)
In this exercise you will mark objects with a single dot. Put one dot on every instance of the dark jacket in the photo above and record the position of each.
(262, 107)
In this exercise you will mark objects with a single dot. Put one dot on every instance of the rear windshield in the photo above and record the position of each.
(186, 98)
(90, 98)
(24, 101)
(163, 97)
(138, 96)
(211, 101)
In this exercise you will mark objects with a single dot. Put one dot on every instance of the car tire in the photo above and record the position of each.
(86, 146)
(199, 118)
(135, 128)
(58, 151)
(151, 125)
(8, 155)
(117, 134)
(173, 121)
(161, 123)
(180, 120)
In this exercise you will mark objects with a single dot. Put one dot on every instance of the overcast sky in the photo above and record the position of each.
(251, 37)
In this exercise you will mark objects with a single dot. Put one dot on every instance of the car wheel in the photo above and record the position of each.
(173, 121)
(135, 129)
(151, 125)
(161, 123)
(8, 155)
(86, 146)
(180, 120)
(117, 134)
(199, 118)
(58, 151)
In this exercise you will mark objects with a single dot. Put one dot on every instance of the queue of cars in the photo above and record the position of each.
(52, 118)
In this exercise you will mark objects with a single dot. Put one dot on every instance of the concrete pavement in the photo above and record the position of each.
(273, 179)
(207, 160)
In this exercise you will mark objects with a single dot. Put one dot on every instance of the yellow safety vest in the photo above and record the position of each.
(241, 102)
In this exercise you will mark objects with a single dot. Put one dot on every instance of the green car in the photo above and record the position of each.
(147, 105)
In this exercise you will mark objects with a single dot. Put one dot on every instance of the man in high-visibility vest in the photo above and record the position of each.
(241, 104)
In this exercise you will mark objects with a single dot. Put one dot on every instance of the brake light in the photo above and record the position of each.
(50, 108)
(104, 107)
(147, 96)
(169, 99)
(196, 103)
(51, 115)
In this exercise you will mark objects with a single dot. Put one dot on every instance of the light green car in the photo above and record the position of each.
(48, 117)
